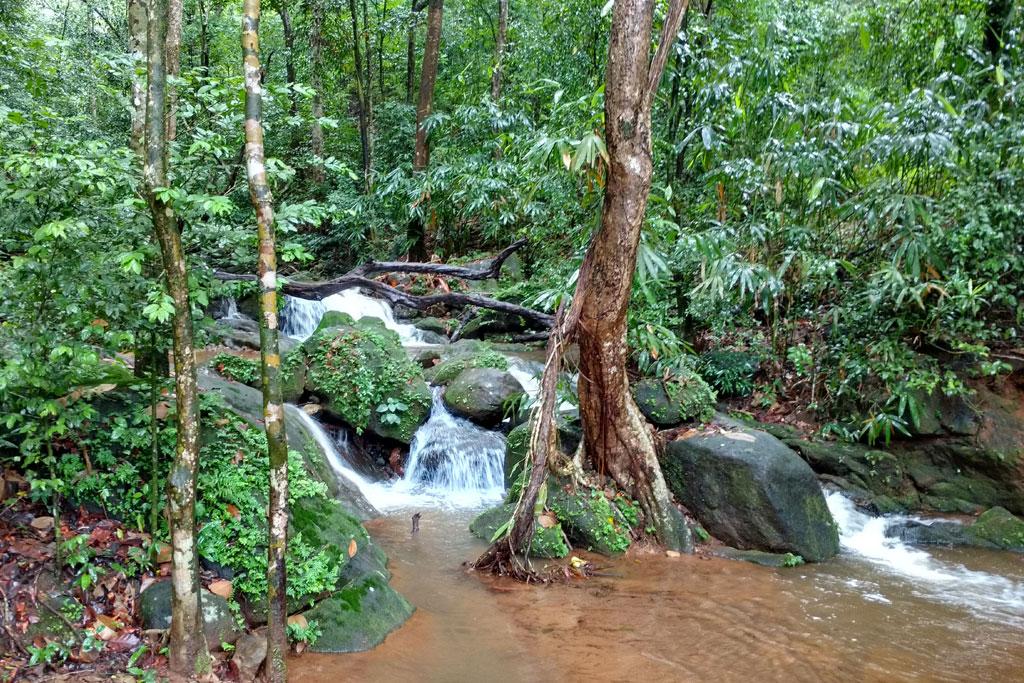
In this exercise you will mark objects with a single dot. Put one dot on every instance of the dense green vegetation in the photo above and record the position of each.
(835, 229)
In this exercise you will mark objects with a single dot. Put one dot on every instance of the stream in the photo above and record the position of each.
(882, 610)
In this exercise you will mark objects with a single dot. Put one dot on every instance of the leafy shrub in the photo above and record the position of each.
(731, 373)
(237, 369)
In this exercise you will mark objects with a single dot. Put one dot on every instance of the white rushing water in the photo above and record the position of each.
(299, 317)
(864, 538)
(452, 463)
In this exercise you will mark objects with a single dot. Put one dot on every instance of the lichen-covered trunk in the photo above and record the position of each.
(316, 82)
(173, 63)
(418, 234)
(273, 406)
(499, 50)
(617, 438)
(188, 652)
(137, 54)
(362, 94)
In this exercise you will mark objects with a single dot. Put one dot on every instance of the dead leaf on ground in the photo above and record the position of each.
(222, 587)
(163, 553)
(352, 548)
(42, 524)
(298, 620)
(547, 520)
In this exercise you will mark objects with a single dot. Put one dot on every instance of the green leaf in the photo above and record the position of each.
(816, 189)
(940, 45)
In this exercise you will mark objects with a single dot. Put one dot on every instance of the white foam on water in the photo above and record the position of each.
(299, 317)
(985, 595)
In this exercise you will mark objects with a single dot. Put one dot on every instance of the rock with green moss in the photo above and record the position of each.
(359, 616)
(998, 528)
(365, 379)
(591, 520)
(435, 325)
(293, 375)
(444, 372)
(482, 394)
(774, 560)
(667, 403)
(751, 491)
(548, 542)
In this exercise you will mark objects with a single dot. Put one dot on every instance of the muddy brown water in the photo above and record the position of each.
(671, 619)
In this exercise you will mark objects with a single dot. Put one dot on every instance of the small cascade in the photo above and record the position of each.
(225, 309)
(529, 373)
(984, 595)
(300, 317)
(455, 457)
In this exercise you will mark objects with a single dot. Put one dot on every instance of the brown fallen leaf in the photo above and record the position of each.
(298, 620)
(42, 524)
(162, 409)
(222, 587)
(547, 520)
(352, 548)
(163, 553)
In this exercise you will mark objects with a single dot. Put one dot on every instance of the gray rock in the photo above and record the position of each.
(481, 394)
(435, 325)
(218, 622)
(751, 491)
(250, 651)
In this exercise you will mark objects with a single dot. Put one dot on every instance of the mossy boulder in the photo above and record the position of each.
(482, 394)
(667, 403)
(548, 542)
(751, 491)
(293, 375)
(444, 372)
(359, 616)
(365, 379)
(591, 520)
(774, 560)
(435, 325)
(998, 528)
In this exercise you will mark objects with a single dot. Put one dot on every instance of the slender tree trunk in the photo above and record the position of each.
(418, 235)
(361, 88)
(499, 50)
(137, 54)
(368, 94)
(273, 406)
(616, 436)
(188, 653)
(289, 58)
(173, 62)
(204, 38)
(380, 49)
(410, 53)
(316, 66)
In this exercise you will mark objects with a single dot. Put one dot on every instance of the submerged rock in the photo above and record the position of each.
(482, 394)
(775, 560)
(548, 542)
(751, 491)
(996, 528)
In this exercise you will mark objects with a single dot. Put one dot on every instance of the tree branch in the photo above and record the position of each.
(669, 29)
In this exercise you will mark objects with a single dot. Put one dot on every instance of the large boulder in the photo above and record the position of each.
(447, 369)
(667, 403)
(482, 394)
(218, 621)
(359, 616)
(751, 491)
(548, 541)
(996, 528)
(366, 379)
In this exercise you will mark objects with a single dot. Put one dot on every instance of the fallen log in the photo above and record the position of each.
(358, 277)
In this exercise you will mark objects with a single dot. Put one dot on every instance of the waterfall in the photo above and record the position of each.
(455, 457)
(300, 317)
(864, 538)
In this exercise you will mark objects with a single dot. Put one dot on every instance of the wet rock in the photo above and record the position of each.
(996, 528)
(428, 337)
(751, 491)
(293, 375)
(250, 651)
(548, 542)
(591, 521)
(775, 560)
(1000, 529)
(672, 402)
(218, 622)
(482, 394)
(435, 325)
(359, 616)
(481, 356)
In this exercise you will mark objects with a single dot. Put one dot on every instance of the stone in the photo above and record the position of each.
(218, 622)
(589, 519)
(548, 542)
(670, 403)
(250, 651)
(775, 560)
(482, 394)
(751, 491)
(998, 528)
(359, 616)
(435, 325)
(442, 373)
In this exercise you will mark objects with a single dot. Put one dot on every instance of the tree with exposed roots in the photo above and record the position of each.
(617, 440)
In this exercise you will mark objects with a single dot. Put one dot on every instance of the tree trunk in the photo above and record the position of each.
(380, 49)
(616, 436)
(173, 62)
(137, 53)
(361, 89)
(289, 58)
(204, 38)
(499, 50)
(316, 66)
(273, 406)
(418, 235)
(188, 653)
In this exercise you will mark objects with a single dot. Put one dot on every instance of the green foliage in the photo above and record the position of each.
(308, 633)
(731, 373)
(237, 368)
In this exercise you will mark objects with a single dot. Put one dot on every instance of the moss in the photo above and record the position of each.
(444, 372)
(367, 380)
(359, 616)
(293, 375)
(999, 528)
(667, 403)
(547, 542)
(236, 368)
(590, 519)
